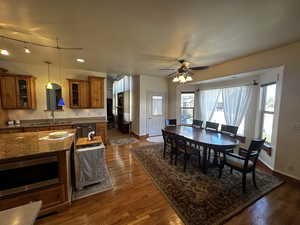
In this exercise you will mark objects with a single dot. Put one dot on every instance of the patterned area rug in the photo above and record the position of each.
(122, 141)
(156, 139)
(201, 199)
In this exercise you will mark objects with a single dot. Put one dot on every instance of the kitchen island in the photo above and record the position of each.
(34, 167)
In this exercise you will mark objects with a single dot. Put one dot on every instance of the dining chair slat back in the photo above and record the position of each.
(197, 123)
(229, 129)
(211, 126)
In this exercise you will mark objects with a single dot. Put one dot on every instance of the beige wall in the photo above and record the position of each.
(41, 73)
(144, 84)
(288, 142)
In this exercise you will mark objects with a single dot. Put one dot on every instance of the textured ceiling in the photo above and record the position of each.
(142, 36)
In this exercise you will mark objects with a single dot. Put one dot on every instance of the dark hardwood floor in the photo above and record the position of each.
(136, 200)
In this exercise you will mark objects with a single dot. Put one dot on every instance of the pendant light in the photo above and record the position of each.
(61, 101)
(49, 85)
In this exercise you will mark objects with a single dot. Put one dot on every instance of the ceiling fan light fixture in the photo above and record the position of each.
(80, 60)
(189, 78)
(175, 79)
(4, 52)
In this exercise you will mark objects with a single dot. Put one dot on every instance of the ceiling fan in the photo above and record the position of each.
(184, 72)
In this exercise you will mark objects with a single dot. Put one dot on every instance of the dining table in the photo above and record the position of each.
(208, 139)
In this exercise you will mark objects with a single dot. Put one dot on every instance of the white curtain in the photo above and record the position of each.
(197, 115)
(208, 101)
(236, 102)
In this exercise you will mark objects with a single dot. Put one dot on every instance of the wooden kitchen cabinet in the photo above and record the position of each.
(86, 94)
(17, 92)
(79, 94)
(96, 92)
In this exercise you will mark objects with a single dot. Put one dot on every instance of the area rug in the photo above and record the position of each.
(122, 141)
(201, 199)
(94, 188)
(156, 139)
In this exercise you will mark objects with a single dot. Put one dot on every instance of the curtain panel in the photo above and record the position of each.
(208, 102)
(236, 101)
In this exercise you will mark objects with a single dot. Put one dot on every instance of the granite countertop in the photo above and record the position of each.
(15, 145)
(58, 122)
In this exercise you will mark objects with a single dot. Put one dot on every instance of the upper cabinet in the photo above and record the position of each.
(17, 92)
(97, 92)
(86, 94)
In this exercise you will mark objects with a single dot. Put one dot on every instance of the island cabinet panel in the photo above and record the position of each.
(18, 92)
(97, 92)
(48, 184)
(101, 130)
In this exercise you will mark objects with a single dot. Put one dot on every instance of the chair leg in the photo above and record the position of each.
(221, 169)
(231, 170)
(164, 155)
(244, 182)
(176, 154)
(199, 160)
(185, 162)
(254, 178)
(171, 156)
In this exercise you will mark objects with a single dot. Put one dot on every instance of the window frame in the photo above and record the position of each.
(264, 111)
(193, 108)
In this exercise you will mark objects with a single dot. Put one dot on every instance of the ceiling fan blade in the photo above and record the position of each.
(167, 69)
(171, 74)
(199, 68)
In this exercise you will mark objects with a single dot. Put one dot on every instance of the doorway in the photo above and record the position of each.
(155, 113)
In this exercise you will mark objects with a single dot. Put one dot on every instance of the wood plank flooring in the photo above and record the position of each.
(135, 200)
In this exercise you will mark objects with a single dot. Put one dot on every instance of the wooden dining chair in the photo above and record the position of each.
(244, 162)
(169, 144)
(211, 126)
(171, 122)
(184, 146)
(197, 123)
(228, 129)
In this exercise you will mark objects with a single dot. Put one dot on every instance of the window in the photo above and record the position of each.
(187, 108)
(268, 108)
(218, 116)
(157, 105)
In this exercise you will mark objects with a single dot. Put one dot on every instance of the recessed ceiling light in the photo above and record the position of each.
(80, 60)
(27, 50)
(4, 52)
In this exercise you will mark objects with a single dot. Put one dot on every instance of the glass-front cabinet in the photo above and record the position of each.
(17, 91)
(23, 92)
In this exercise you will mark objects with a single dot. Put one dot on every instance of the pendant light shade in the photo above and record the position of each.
(61, 102)
(49, 85)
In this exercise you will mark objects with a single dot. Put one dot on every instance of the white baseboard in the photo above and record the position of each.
(288, 175)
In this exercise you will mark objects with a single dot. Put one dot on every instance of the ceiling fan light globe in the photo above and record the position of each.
(175, 79)
(189, 78)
